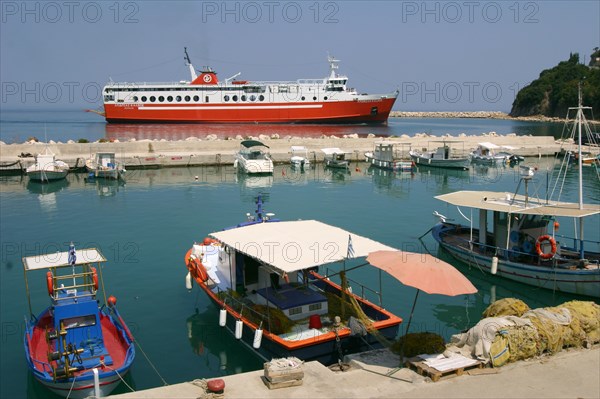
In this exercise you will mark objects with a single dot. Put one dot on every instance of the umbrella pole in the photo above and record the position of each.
(407, 327)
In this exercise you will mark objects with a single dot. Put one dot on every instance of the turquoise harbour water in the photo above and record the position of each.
(145, 226)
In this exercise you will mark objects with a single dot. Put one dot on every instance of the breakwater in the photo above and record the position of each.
(212, 151)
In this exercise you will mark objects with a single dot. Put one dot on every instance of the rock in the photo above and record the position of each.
(239, 137)
(116, 141)
(275, 136)
(2, 143)
(132, 140)
(192, 139)
(212, 137)
(71, 142)
(370, 136)
(262, 137)
(405, 136)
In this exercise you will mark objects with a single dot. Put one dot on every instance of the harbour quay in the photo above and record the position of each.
(14, 158)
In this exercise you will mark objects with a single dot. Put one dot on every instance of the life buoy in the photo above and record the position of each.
(50, 283)
(95, 278)
(198, 269)
(538, 247)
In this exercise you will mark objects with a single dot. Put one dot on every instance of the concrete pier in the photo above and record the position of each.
(197, 152)
(567, 374)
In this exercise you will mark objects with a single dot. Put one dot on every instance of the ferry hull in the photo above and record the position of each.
(372, 111)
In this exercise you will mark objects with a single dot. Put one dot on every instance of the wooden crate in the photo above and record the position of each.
(421, 368)
(284, 384)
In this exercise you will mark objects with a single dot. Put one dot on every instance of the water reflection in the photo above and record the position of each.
(396, 184)
(47, 192)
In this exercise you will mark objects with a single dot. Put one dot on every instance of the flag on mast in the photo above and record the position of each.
(350, 253)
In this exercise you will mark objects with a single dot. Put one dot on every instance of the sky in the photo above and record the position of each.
(440, 55)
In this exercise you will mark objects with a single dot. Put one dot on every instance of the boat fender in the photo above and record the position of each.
(188, 281)
(538, 247)
(95, 278)
(50, 283)
(257, 338)
(222, 317)
(207, 241)
(494, 269)
(286, 278)
(112, 301)
(238, 329)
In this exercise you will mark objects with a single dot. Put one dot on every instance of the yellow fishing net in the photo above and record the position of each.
(506, 307)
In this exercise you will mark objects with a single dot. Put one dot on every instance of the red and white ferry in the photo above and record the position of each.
(206, 100)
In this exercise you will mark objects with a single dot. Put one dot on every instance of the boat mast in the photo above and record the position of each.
(579, 164)
(189, 64)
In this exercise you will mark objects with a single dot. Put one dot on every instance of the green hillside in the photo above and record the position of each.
(556, 89)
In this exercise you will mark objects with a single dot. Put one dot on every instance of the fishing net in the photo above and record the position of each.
(588, 315)
(414, 344)
(506, 307)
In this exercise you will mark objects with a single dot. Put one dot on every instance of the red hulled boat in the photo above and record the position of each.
(206, 100)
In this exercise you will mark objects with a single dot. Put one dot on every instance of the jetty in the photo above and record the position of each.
(568, 374)
(14, 158)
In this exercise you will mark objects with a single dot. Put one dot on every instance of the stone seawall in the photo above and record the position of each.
(195, 152)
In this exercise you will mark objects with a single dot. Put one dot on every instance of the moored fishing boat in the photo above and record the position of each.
(76, 348)
(105, 166)
(263, 276)
(383, 157)
(47, 168)
(335, 158)
(487, 153)
(442, 157)
(523, 243)
(299, 157)
(206, 100)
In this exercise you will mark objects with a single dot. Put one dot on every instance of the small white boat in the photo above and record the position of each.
(335, 158)
(299, 158)
(442, 157)
(47, 168)
(252, 158)
(104, 165)
(383, 157)
(486, 153)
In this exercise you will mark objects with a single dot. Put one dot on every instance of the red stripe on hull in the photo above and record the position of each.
(324, 112)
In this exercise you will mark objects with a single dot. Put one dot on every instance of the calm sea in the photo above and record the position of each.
(16, 126)
(145, 226)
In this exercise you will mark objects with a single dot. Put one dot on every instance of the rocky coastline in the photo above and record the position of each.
(475, 114)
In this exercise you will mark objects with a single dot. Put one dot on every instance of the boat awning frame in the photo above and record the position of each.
(252, 143)
(510, 203)
(296, 245)
(334, 151)
(61, 259)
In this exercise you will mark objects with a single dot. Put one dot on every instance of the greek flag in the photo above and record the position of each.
(350, 253)
(72, 256)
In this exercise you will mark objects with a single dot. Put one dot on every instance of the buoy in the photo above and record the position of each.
(257, 338)
(222, 317)
(556, 225)
(112, 301)
(494, 265)
(492, 294)
(188, 281)
(207, 241)
(238, 329)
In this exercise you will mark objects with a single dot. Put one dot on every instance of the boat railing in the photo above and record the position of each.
(575, 241)
(242, 307)
(511, 253)
(364, 290)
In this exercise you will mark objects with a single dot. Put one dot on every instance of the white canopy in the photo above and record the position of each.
(296, 245)
(61, 259)
(488, 145)
(507, 202)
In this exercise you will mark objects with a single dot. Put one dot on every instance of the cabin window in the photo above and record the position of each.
(296, 310)
(303, 98)
(161, 99)
(178, 98)
(314, 306)
(315, 98)
(79, 321)
(144, 99)
(206, 99)
(226, 98)
(196, 98)
(250, 270)
(170, 98)
(135, 98)
(325, 98)
(253, 98)
(243, 98)
(261, 97)
(187, 98)
(152, 99)
(235, 98)
(374, 111)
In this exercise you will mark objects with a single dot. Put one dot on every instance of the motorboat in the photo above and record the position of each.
(335, 158)
(299, 158)
(104, 165)
(441, 157)
(253, 158)
(383, 157)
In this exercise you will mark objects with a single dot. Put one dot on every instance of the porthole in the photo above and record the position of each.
(170, 98)
(152, 99)
(226, 98)
(135, 99)
(161, 99)
(325, 98)
(187, 98)
(243, 98)
(315, 98)
(234, 98)
(178, 98)
(252, 97)
(196, 98)
(261, 97)
(303, 98)
(144, 99)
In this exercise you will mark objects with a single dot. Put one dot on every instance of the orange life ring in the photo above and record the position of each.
(95, 278)
(50, 283)
(538, 247)
(199, 269)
